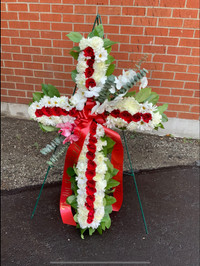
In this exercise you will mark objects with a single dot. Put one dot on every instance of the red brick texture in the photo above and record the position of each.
(35, 48)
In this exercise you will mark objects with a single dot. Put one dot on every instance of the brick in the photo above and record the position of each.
(190, 23)
(4, 24)
(175, 3)
(197, 93)
(50, 35)
(170, 22)
(122, 20)
(179, 107)
(17, 7)
(9, 16)
(175, 67)
(194, 109)
(8, 85)
(120, 56)
(197, 33)
(31, 50)
(33, 65)
(60, 75)
(43, 74)
(146, 2)
(188, 116)
(192, 4)
(29, 33)
(7, 71)
(164, 58)
(111, 29)
(130, 48)
(50, 1)
(179, 50)
(51, 51)
(39, 8)
(62, 9)
(28, 16)
(3, 7)
(109, 10)
(186, 76)
(191, 100)
(171, 114)
(18, 25)
(74, 18)
(41, 42)
(172, 84)
(62, 44)
(194, 69)
(154, 49)
(4, 92)
(23, 72)
(188, 60)
(53, 67)
(3, 78)
(22, 57)
(69, 84)
(131, 30)
(181, 33)
(118, 38)
(135, 57)
(5, 40)
(181, 92)
(155, 83)
(23, 100)
(34, 80)
(133, 11)
(55, 82)
(50, 17)
(21, 86)
(195, 51)
(62, 60)
(169, 99)
(40, 26)
(20, 41)
(159, 12)
(156, 31)
(141, 39)
(192, 86)
(97, 2)
(8, 99)
(14, 64)
(145, 21)
(42, 58)
(162, 75)
(185, 13)
(10, 33)
(73, 1)
(15, 79)
(166, 41)
(162, 91)
(87, 10)
(152, 66)
(6, 56)
(61, 27)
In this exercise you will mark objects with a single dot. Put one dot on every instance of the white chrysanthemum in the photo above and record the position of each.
(143, 126)
(46, 101)
(81, 66)
(156, 119)
(63, 102)
(101, 55)
(80, 80)
(132, 126)
(120, 123)
(96, 43)
(101, 169)
(128, 104)
(84, 43)
(100, 131)
(147, 107)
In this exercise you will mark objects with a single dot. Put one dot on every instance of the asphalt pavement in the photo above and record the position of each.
(170, 198)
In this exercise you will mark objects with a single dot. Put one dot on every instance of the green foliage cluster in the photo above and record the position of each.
(110, 188)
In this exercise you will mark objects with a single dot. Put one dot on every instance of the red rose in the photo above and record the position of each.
(90, 190)
(73, 112)
(90, 174)
(90, 62)
(90, 199)
(89, 206)
(136, 117)
(146, 117)
(91, 214)
(56, 111)
(90, 155)
(91, 183)
(91, 147)
(47, 111)
(89, 72)
(88, 52)
(115, 113)
(38, 113)
(91, 165)
(90, 83)
(64, 112)
(126, 116)
(92, 139)
(93, 128)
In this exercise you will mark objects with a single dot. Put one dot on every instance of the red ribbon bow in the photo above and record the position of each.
(83, 122)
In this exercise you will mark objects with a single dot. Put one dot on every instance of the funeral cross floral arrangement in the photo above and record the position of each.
(92, 183)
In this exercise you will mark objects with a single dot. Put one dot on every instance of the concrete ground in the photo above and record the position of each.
(167, 173)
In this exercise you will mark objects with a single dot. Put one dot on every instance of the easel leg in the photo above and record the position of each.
(136, 187)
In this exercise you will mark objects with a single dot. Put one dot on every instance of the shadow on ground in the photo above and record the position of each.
(170, 201)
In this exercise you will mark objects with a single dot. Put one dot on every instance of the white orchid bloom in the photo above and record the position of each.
(78, 100)
(144, 83)
(92, 92)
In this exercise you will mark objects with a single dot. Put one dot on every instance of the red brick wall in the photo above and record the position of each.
(35, 49)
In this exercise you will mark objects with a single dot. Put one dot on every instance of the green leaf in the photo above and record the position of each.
(70, 171)
(110, 200)
(76, 48)
(108, 43)
(115, 171)
(108, 222)
(107, 176)
(110, 142)
(82, 232)
(74, 36)
(112, 183)
(50, 90)
(73, 74)
(74, 54)
(75, 218)
(91, 231)
(98, 31)
(99, 229)
(110, 166)
(130, 94)
(110, 59)
(143, 94)
(162, 108)
(108, 49)
(164, 118)
(71, 200)
(110, 70)
(37, 96)
(103, 226)
(153, 98)
(45, 89)
(108, 209)
(75, 170)
(47, 128)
